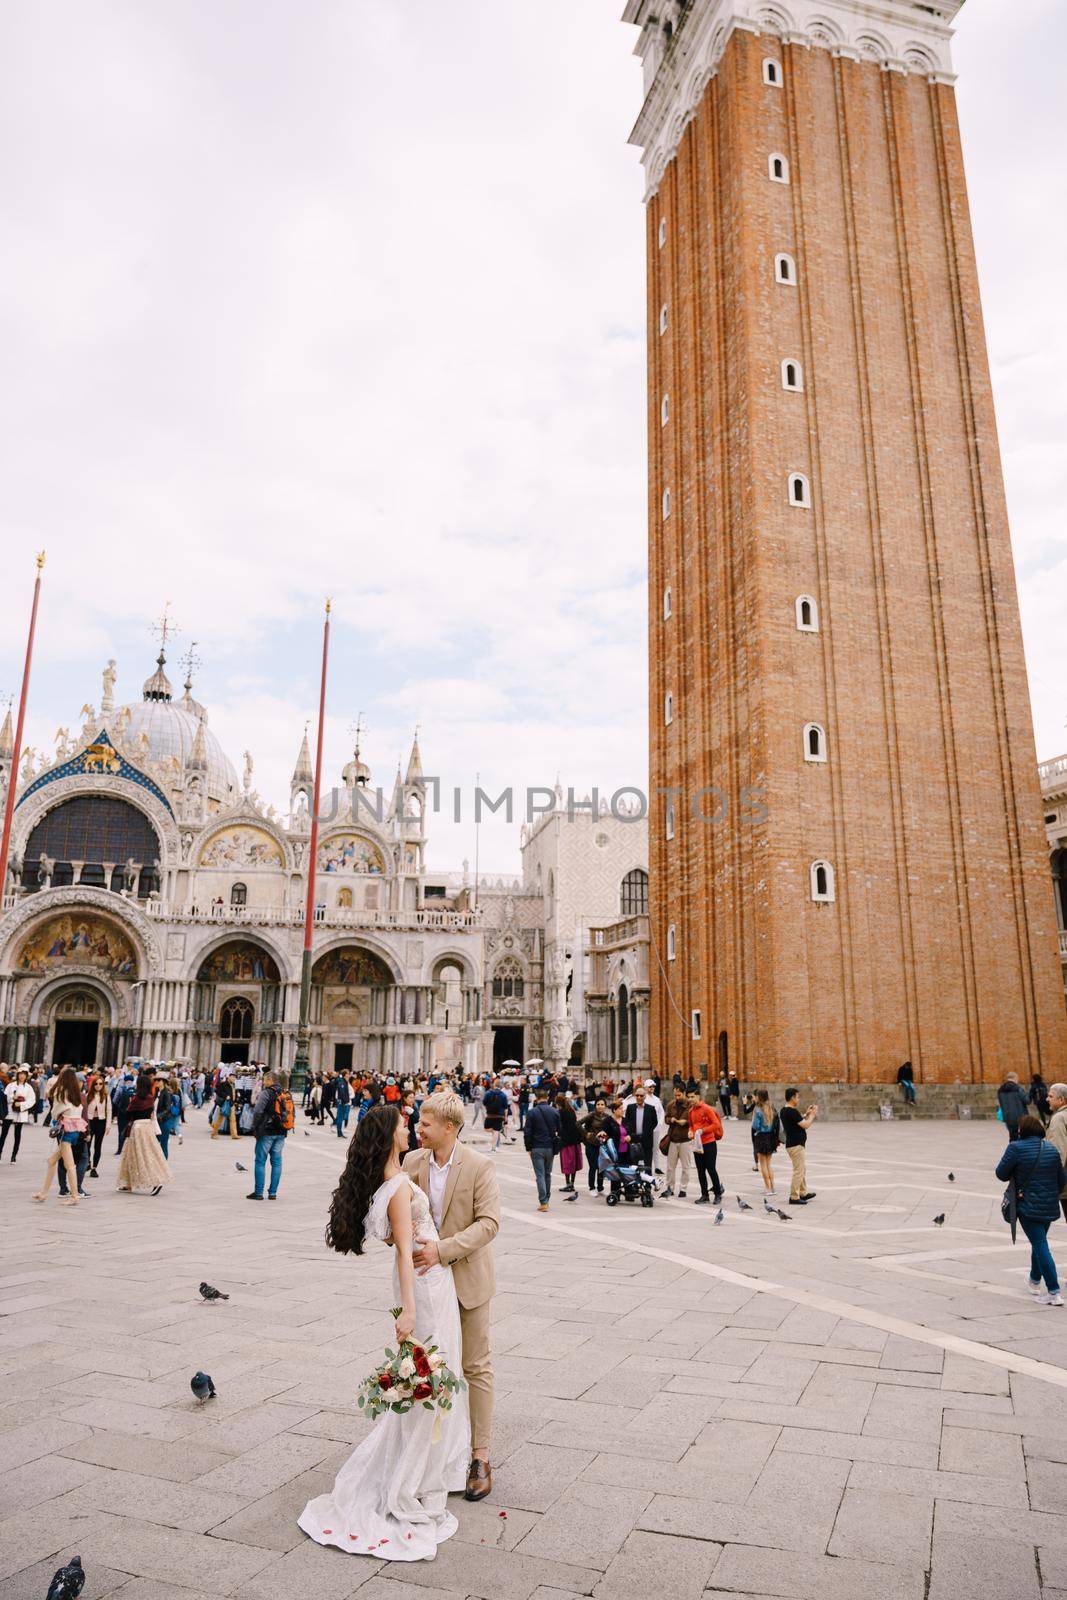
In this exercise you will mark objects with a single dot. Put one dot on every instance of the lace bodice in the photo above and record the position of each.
(377, 1226)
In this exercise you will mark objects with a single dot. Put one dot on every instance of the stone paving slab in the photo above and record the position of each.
(680, 1408)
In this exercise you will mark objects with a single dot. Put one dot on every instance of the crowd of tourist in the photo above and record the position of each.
(634, 1140)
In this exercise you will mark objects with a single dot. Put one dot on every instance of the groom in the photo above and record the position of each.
(465, 1201)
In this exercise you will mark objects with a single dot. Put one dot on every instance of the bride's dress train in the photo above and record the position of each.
(390, 1499)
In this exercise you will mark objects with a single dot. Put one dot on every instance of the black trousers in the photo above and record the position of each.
(596, 1179)
(97, 1130)
(16, 1137)
(705, 1162)
(80, 1151)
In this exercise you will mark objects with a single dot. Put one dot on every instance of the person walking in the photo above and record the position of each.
(906, 1079)
(273, 1117)
(1056, 1132)
(342, 1100)
(143, 1164)
(168, 1113)
(495, 1107)
(541, 1136)
(680, 1145)
(765, 1137)
(570, 1142)
(98, 1116)
(705, 1129)
(795, 1125)
(640, 1121)
(724, 1095)
(595, 1123)
(68, 1126)
(1032, 1166)
(1013, 1104)
(1038, 1097)
(21, 1097)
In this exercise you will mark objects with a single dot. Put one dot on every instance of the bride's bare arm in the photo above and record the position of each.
(403, 1239)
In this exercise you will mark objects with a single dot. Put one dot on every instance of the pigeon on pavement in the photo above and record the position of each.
(202, 1386)
(783, 1216)
(239, 1167)
(767, 1206)
(208, 1292)
(939, 1220)
(720, 1216)
(67, 1582)
(743, 1205)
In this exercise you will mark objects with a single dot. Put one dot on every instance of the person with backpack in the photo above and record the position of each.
(766, 1137)
(272, 1122)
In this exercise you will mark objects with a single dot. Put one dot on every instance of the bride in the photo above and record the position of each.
(390, 1497)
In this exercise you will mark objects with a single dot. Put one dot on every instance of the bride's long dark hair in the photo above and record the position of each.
(364, 1172)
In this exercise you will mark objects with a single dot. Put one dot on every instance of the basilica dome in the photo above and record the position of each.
(160, 729)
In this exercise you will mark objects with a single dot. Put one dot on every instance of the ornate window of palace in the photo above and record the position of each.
(634, 897)
(235, 1020)
(239, 894)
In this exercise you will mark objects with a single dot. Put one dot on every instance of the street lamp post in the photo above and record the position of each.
(300, 1062)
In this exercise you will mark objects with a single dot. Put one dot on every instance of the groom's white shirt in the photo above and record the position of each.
(438, 1179)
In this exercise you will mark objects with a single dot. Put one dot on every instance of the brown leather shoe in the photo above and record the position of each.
(479, 1480)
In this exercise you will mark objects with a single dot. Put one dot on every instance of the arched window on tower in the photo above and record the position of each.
(785, 270)
(664, 410)
(799, 492)
(792, 375)
(666, 504)
(814, 742)
(778, 169)
(239, 894)
(772, 72)
(634, 897)
(807, 614)
(822, 881)
(662, 232)
(672, 943)
(668, 708)
(663, 319)
(666, 602)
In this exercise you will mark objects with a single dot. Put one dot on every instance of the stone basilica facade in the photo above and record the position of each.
(155, 906)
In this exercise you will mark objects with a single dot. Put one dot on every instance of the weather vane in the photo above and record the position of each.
(357, 729)
(192, 663)
(164, 629)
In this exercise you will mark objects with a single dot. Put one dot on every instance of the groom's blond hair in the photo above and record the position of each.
(446, 1105)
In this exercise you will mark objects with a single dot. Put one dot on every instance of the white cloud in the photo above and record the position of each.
(349, 298)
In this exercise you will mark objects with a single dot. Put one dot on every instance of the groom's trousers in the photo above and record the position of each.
(478, 1371)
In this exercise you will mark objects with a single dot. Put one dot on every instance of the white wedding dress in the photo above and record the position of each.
(390, 1499)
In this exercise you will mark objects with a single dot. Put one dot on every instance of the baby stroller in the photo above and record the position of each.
(628, 1181)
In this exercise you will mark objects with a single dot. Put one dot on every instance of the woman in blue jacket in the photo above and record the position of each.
(1033, 1165)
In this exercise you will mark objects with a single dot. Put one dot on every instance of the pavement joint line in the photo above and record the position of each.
(990, 1355)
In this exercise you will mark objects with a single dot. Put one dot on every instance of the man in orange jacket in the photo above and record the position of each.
(705, 1125)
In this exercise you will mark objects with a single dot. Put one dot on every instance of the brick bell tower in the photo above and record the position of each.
(836, 665)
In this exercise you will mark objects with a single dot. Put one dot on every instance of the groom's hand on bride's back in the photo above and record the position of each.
(426, 1256)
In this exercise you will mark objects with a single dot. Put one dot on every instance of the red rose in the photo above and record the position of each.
(385, 1380)
(422, 1366)
(423, 1391)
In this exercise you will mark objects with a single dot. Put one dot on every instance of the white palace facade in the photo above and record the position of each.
(155, 905)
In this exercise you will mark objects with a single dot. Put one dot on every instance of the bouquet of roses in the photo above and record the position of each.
(414, 1374)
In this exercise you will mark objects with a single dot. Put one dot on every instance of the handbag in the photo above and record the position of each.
(664, 1144)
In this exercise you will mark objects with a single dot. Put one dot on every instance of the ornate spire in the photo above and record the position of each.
(198, 754)
(303, 772)
(191, 661)
(414, 773)
(7, 738)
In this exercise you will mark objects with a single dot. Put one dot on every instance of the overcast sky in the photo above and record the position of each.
(332, 296)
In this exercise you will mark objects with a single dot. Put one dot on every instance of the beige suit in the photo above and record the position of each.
(470, 1221)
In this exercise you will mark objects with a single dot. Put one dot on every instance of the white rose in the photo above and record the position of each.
(406, 1368)
(436, 1362)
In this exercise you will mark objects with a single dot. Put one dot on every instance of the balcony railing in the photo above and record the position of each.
(1050, 772)
(624, 932)
(326, 916)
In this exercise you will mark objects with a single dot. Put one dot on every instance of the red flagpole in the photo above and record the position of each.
(9, 809)
(300, 1063)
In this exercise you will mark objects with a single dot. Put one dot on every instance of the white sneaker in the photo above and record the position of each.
(1050, 1299)
(1034, 1288)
